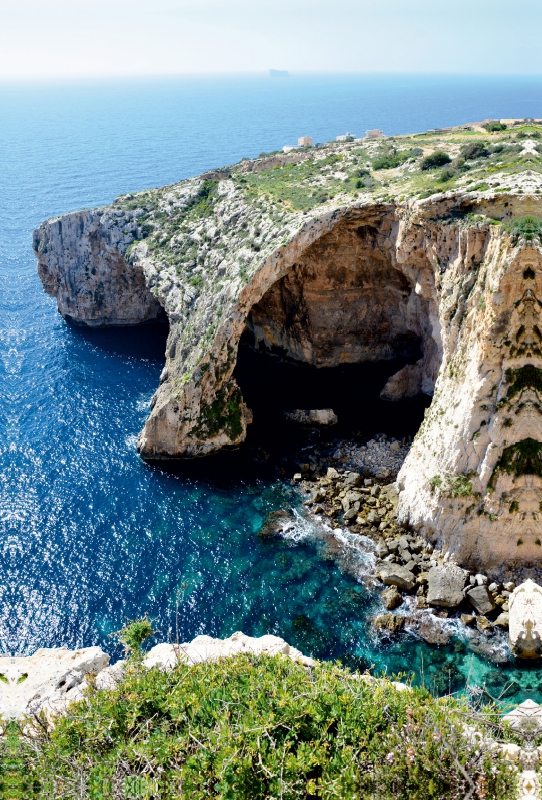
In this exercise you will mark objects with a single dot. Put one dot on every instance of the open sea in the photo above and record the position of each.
(90, 535)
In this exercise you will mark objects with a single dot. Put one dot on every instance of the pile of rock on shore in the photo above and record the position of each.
(380, 457)
(406, 564)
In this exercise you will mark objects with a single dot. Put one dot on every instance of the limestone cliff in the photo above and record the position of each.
(347, 253)
(81, 263)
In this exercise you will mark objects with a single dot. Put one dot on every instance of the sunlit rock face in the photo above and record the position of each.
(525, 631)
(473, 479)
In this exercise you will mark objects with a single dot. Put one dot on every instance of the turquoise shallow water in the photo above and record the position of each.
(90, 535)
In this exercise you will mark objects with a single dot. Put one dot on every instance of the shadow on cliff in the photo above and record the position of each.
(272, 385)
(143, 342)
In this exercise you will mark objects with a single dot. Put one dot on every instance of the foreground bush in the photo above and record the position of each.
(246, 728)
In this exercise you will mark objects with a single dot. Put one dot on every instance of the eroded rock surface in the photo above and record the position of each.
(47, 681)
(205, 648)
(81, 263)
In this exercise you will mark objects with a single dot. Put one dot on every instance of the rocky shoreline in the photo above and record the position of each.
(412, 575)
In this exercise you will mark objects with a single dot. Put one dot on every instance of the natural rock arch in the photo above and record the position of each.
(353, 283)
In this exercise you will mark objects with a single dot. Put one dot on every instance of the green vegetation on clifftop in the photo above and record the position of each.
(250, 727)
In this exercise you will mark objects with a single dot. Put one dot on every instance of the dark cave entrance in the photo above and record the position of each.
(329, 334)
(272, 385)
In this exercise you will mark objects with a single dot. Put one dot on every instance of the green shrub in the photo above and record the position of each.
(475, 150)
(493, 127)
(246, 728)
(447, 175)
(134, 634)
(395, 158)
(437, 159)
(460, 486)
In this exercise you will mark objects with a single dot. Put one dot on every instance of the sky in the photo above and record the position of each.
(101, 38)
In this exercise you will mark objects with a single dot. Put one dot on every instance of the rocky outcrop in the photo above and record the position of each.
(312, 418)
(81, 263)
(48, 681)
(473, 479)
(451, 283)
(205, 648)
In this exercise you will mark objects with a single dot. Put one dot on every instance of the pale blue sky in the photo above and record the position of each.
(74, 38)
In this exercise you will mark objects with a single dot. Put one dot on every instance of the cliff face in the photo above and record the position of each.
(81, 263)
(346, 276)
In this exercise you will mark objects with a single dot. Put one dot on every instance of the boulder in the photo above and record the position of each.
(446, 585)
(352, 479)
(392, 598)
(405, 383)
(395, 575)
(468, 619)
(389, 623)
(503, 621)
(484, 625)
(481, 600)
(525, 620)
(382, 550)
(312, 418)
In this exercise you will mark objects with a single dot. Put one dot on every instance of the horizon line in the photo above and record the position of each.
(260, 73)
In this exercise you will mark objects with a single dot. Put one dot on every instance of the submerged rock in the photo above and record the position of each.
(312, 418)
(389, 623)
(276, 523)
(432, 632)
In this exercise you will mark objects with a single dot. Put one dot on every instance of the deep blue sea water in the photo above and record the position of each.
(90, 535)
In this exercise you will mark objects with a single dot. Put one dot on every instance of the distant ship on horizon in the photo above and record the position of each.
(279, 73)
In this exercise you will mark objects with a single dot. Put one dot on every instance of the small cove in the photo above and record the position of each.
(90, 534)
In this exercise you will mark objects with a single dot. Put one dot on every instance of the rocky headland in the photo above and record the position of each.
(422, 248)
